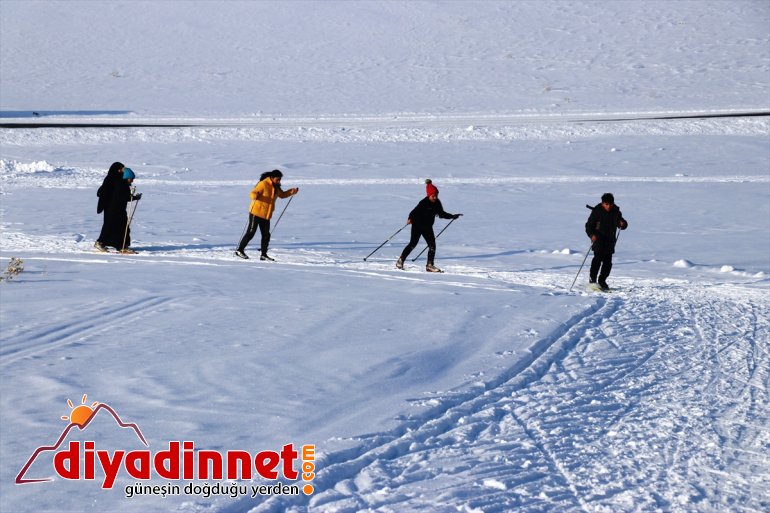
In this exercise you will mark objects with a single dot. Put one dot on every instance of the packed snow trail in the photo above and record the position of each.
(610, 417)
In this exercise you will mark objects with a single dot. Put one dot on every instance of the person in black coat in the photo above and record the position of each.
(601, 227)
(114, 176)
(421, 218)
(114, 194)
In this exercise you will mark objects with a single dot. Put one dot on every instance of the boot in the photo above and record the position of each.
(433, 269)
(400, 263)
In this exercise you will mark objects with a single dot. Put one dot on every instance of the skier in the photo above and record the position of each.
(421, 218)
(263, 198)
(601, 227)
(114, 194)
(114, 175)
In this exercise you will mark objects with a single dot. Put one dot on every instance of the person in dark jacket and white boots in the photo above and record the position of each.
(421, 218)
(601, 227)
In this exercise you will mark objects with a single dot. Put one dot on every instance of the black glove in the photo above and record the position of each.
(137, 197)
(456, 216)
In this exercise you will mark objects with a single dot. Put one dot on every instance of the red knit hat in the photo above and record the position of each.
(430, 189)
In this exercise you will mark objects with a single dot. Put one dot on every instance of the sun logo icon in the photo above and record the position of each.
(81, 413)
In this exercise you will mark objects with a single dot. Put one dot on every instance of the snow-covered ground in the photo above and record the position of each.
(489, 388)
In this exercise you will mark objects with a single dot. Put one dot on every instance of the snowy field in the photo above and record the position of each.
(489, 388)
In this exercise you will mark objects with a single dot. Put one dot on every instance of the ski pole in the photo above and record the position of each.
(581, 266)
(280, 216)
(437, 236)
(386, 241)
(589, 207)
(128, 223)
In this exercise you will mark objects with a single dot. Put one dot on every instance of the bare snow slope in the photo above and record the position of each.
(337, 57)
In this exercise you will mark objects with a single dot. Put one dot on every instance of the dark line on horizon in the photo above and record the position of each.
(689, 116)
(38, 124)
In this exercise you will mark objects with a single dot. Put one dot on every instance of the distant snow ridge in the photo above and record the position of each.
(727, 268)
(45, 175)
(8, 167)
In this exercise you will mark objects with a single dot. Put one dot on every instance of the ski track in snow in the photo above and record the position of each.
(588, 422)
(97, 320)
(585, 422)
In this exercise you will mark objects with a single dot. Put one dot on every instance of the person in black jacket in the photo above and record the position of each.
(421, 218)
(114, 195)
(601, 227)
(114, 176)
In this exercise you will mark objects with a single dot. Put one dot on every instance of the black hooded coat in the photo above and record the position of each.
(604, 226)
(114, 195)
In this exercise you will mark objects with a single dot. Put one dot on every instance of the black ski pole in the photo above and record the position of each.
(437, 236)
(581, 266)
(130, 218)
(280, 216)
(589, 207)
(386, 241)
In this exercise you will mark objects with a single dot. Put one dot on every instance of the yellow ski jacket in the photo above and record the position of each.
(263, 197)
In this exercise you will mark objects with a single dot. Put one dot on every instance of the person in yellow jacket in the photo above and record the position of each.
(263, 198)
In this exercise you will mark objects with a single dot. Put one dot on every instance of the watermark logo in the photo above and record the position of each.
(291, 468)
(79, 418)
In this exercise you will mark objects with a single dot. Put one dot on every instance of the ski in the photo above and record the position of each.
(412, 269)
(104, 249)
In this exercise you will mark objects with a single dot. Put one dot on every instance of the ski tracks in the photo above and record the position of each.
(91, 322)
(652, 400)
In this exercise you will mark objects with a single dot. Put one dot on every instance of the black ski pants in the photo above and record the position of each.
(426, 232)
(601, 265)
(264, 228)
